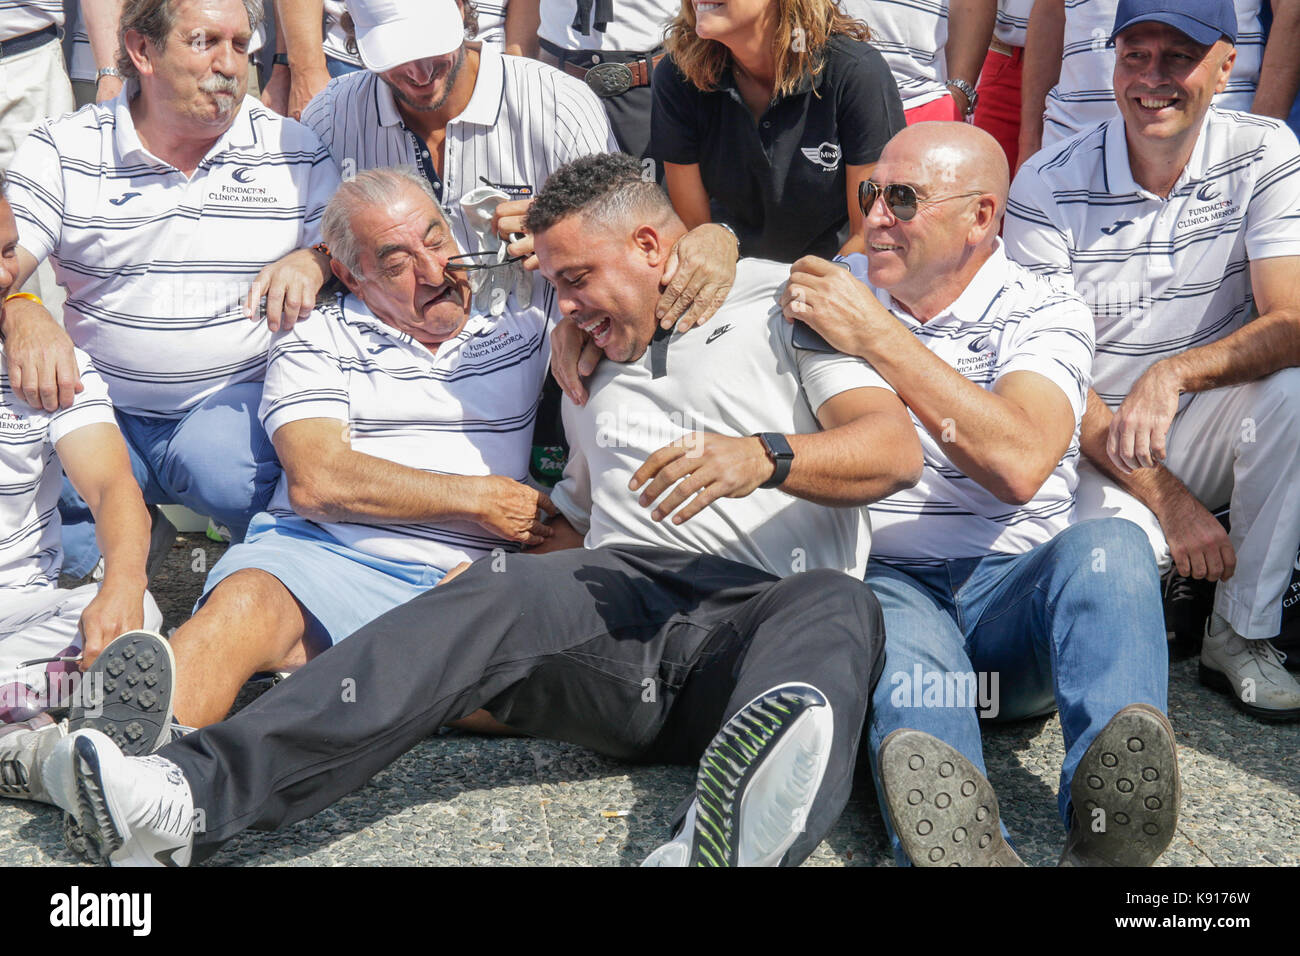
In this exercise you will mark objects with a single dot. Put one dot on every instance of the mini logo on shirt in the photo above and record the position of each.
(123, 198)
(1208, 192)
(716, 332)
(1116, 226)
(827, 155)
(242, 175)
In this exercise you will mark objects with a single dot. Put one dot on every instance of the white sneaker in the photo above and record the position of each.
(757, 782)
(23, 749)
(131, 811)
(1251, 671)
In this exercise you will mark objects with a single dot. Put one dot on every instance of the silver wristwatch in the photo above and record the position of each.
(968, 90)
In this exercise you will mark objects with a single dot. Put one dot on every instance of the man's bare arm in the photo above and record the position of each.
(95, 460)
(300, 21)
(1197, 542)
(42, 366)
(101, 18)
(1140, 429)
(523, 17)
(1044, 49)
(1279, 73)
(867, 450)
(328, 481)
(970, 28)
(1009, 439)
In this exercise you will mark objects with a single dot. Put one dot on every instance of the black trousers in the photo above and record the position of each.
(637, 653)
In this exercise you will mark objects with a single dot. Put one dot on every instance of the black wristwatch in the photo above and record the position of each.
(780, 454)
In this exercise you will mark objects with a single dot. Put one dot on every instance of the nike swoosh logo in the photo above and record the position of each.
(716, 332)
(167, 857)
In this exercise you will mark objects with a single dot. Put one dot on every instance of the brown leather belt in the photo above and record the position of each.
(1006, 49)
(608, 79)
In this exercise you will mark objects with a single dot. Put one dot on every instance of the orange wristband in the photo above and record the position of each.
(24, 295)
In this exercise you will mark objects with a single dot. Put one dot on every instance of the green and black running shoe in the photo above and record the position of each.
(757, 781)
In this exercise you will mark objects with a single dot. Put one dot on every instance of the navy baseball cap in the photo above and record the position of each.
(1202, 20)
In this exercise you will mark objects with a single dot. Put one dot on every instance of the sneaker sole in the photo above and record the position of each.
(943, 809)
(758, 778)
(94, 835)
(1128, 773)
(138, 671)
(1217, 680)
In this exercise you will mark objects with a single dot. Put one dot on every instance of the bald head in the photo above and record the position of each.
(946, 226)
(957, 156)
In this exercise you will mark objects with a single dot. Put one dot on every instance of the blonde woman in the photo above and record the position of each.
(767, 114)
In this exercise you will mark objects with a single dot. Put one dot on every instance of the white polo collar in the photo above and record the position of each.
(484, 104)
(238, 135)
(1119, 174)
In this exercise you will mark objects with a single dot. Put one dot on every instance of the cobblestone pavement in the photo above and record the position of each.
(465, 800)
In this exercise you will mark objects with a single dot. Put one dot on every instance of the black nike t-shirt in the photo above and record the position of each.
(780, 182)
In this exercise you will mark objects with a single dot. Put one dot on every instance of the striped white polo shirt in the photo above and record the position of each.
(466, 409)
(739, 375)
(1161, 275)
(1012, 21)
(523, 121)
(910, 35)
(157, 264)
(30, 476)
(20, 17)
(1085, 94)
(638, 25)
(1006, 320)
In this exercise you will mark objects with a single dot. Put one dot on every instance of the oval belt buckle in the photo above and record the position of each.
(609, 79)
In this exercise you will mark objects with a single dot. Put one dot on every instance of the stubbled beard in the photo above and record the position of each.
(448, 85)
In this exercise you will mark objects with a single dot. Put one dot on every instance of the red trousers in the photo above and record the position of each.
(944, 108)
(998, 109)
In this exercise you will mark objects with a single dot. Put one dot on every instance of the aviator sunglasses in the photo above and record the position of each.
(900, 199)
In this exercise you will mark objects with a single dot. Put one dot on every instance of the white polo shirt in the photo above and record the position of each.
(1160, 275)
(466, 409)
(1085, 94)
(638, 25)
(738, 376)
(21, 17)
(157, 264)
(30, 476)
(910, 35)
(1012, 21)
(1006, 320)
(523, 121)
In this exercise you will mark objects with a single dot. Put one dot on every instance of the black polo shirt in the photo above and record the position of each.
(780, 182)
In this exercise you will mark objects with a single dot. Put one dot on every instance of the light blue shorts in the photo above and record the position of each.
(339, 589)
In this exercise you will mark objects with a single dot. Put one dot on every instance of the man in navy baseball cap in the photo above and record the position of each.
(1205, 21)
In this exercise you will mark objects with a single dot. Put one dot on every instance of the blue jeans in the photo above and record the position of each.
(216, 461)
(1074, 625)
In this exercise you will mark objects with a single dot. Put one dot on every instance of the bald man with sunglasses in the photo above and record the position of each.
(997, 603)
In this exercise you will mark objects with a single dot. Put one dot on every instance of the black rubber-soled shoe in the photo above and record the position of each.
(127, 693)
(943, 809)
(1125, 792)
(757, 781)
